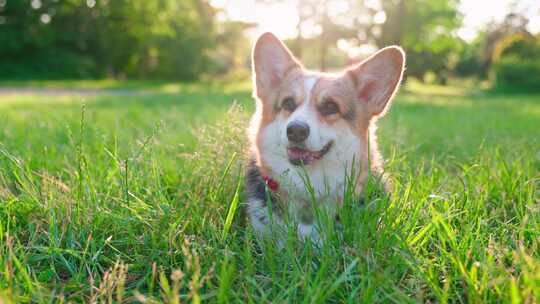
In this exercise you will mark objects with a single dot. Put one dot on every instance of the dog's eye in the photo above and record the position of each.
(288, 104)
(329, 107)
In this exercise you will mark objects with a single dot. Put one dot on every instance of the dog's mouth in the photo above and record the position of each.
(302, 156)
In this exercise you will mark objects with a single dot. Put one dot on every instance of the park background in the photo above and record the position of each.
(122, 151)
(193, 40)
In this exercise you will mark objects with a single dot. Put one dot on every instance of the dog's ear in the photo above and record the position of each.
(377, 79)
(271, 60)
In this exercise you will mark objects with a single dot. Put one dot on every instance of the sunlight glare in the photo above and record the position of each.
(281, 17)
(479, 13)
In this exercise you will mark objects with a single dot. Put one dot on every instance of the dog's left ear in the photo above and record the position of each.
(377, 79)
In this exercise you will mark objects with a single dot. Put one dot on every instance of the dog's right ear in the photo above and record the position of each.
(377, 79)
(271, 60)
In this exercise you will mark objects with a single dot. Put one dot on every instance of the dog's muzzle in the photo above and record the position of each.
(301, 156)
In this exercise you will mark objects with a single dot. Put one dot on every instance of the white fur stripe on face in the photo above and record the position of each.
(304, 112)
(309, 84)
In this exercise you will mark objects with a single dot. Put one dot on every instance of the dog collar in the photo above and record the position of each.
(271, 183)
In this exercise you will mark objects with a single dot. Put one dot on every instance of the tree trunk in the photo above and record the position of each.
(299, 40)
(324, 43)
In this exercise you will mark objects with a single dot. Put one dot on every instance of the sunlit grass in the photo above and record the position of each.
(129, 198)
(113, 85)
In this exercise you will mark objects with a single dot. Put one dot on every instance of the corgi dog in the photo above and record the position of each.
(308, 131)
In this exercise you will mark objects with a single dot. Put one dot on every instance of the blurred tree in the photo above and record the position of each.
(233, 47)
(513, 23)
(82, 38)
(424, 28)
(31, 45)
(330, 21)
(516, 62)
(469, 62)
(477, 57)
(182, 37)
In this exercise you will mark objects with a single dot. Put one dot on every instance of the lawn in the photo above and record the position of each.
(127, 197)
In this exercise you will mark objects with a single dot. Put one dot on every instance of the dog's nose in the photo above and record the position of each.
(297, 131)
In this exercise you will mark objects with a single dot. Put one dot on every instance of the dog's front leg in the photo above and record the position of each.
(266, 221)
(309, 232)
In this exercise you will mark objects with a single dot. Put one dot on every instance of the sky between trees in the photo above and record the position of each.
(281, 17)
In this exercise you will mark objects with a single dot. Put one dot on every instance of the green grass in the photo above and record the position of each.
(127, 198)
(112, 85)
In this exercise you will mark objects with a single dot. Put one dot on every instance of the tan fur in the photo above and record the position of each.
(266, 105)
(363, 93)
(344, 90)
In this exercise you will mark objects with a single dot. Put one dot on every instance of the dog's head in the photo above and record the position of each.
(307, 118)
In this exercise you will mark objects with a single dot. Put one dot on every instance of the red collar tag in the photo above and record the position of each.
(271, 183)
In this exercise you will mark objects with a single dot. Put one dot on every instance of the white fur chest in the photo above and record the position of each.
(324, 179)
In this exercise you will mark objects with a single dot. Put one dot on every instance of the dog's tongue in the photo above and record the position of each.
(300, 154)
(297, 152)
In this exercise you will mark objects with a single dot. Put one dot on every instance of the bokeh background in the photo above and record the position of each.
(190, 40)
(123, 151)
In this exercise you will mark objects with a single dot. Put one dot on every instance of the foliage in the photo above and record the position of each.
(126, 199)
(197, 39)
(426, 30)
(518, 73)
(121, 38)
(516, 62)
(517, 45)
(233, 48)
(471, 58)
(27, 45)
